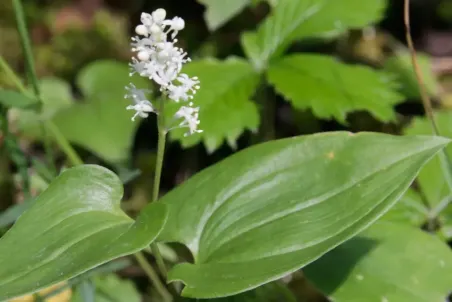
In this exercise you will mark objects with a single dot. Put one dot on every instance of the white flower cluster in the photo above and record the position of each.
(160, 60)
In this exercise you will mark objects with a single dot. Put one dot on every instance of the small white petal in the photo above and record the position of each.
(159, 15)
(143, 56)
(141, 30)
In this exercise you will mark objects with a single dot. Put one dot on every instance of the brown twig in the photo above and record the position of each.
(426, 101)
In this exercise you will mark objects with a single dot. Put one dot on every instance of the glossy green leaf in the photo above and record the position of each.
(218, 12)
(296, 19)
(388, 262)
(402, 67)
(331, 88)
(14, 99)
(273, 208)
(75, 225)
(226, 110)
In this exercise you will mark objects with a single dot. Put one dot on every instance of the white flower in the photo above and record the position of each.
(190, 118)
(142, 106)
(160, 60)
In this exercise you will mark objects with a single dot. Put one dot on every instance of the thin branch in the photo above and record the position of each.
(446, 164)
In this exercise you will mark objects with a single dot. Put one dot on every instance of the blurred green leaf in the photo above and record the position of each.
(402, 68)
(56, 95)
(218, 12)
(431, 178)
(14, 99)
(388, 262)
(226, 110)
(110, 288)
(409, 210)
(99, 122)
(308, 194)
(73, 226)
(331, 88)
(271, 292)
(10, 215)
(296, 19)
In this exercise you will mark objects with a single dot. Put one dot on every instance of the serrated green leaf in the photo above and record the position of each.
(401, 66)
(14, 99)
(73, 226)
(226, 110)
(331, 88)
(273, 208)
(297, 19)
(388, 262)
(218, 12)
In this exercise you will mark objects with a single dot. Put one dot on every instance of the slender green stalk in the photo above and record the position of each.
(446, 163)
(26, 46)
(153, 276)
(63, 143)
(157, 176)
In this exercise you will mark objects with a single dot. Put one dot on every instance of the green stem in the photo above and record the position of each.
(63, 143)
(153, 276)
(26, 46)
(157, 176)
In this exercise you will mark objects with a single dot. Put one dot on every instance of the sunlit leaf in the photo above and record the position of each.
(73, 226)
(273, 208)
(388, 262)
(226, 110)
(331, 88)
(296, 19)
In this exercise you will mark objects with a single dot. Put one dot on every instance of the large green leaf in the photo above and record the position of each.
(75, 225)
(218, 12)
(331, 88)
(273, 208)
(226, 110)
(409, 210)
(400, 65)
(388, 262)
(296, 19)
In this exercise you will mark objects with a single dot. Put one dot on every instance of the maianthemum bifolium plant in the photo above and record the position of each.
(255, 217)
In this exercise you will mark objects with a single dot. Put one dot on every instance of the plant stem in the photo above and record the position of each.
(446, 164)
(153, 276)
(157, 176)
(26, 46)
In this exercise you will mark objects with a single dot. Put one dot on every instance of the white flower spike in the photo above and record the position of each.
(160, 60)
